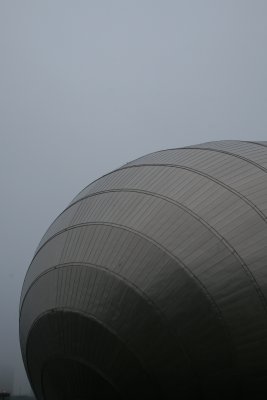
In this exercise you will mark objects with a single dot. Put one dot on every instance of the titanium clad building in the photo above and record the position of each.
(152, 283)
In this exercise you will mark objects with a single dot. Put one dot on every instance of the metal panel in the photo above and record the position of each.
(237, 175)
(248, 151)
(158, 277)
(169, 254)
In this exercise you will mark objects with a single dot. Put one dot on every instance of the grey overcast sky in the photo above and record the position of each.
(87, 85)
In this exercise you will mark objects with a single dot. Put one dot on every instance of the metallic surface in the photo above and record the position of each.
(153, 281)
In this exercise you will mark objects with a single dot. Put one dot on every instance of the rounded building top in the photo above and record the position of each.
(154, 280)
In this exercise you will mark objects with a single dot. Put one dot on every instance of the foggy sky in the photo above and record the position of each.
(87, 85)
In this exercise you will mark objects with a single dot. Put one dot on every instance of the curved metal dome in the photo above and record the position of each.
(153, 281)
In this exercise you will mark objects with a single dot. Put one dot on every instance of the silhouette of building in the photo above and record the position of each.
(4, 395)
(152, 283)
(6, 379)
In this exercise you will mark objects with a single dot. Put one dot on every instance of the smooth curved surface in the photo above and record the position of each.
(164, 262)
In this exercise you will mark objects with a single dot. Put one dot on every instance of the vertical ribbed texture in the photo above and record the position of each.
(162, 266)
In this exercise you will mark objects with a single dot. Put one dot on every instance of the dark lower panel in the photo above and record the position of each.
(70, 353)
(66, 379)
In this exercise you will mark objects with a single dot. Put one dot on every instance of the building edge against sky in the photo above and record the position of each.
(153, 281)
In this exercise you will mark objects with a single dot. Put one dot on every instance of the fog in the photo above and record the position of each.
(88, 85)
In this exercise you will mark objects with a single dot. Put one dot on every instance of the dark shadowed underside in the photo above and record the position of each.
(154, 281)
